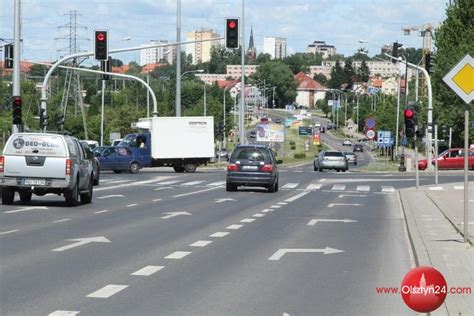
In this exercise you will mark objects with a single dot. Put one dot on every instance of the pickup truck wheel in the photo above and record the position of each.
(86, 198)
(190, 167)
(25, 196)
(134, 167)
(72, 196)
(8, 195)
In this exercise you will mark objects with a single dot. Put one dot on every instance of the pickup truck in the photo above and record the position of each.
(42, 163)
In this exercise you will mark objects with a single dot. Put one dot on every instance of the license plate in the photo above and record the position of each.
(34, 181)
(249, 167)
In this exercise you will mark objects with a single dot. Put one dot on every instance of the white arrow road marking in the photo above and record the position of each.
(192, 183)
(248, 220)
(290, 185)
(364, 188)
(224, 200)
(217, 183)
(343, 204)
(9, 232)
(178, 255)
(23, 209)
(388, 189)
(314, 186)
(338, 187)
(219, 234)
(107, 291)
(82, 241)
(148, 270)
(173, 214)
(63, 313)
(297, 196)
(195, 192)
(234, 226)
(353, 195)
(61, 220)
(201, 243)
(109, 196)
(314, 221)
(281, 252)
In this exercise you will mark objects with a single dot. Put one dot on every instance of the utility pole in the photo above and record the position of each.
(16, 63)
(242, 80)
(178, 59)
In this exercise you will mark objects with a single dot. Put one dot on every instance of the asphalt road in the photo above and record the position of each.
(178, 244)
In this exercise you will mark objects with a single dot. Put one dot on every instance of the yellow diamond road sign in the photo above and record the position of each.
(461, 79)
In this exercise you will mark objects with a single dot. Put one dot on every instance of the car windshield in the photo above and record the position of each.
(333, 154)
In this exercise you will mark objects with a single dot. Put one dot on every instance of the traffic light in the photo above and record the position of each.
(43, 119)
(429, 63)
(8, 64)
(105, 66)
(60, 121)
(410, 121)
(17, 110)
(232, 33)
(101, 47)
(395, 52)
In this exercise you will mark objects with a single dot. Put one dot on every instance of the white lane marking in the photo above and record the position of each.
(234, 226)
(8, 232)
(192, 183)
(343, 204)
(275, 206)
(162, 188)
(178, 255)
(61, 220)
(23, 209)
(352, 195)
(82, 241)
(64, 313)
(247, 220)
(99, 212)
(258, 215)
(133, 183)
(314, 186)
(201, 243)
(388, 189)
(286, 314)
(338, 187)
(267, 210)
(458, 187)
(173, 214)
(364, 188)
(281, 252)
(314, 221)
(107, 291)
(118, 181)
(148, 270)
(168, 182)
(322, 180)
(109, 196)
(195, 192)
(223, 200)
(130, 205)
(219, 234)
(282, 203)
(297, 196)
(156, 200)
(436, 188)
(217, 183)
(290, 185)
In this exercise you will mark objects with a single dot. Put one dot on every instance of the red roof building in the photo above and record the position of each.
(309, 90)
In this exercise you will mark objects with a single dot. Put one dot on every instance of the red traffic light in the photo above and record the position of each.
(100, 37)
(232, 24)
(408, 113)
(17, 101)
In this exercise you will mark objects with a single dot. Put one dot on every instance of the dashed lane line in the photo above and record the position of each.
(363, 188)
(156, 200)
(290, 185)
(314, 186)
(219, 234)
(275, 206)
(110, 196)
(9, 232)
(157, 179)
(148, 270)
(267, 210)
(192, 183)
(297, 196)
(234, 226)
(100, 212)
(61, 220)
(258, 215)
(282, 203)
(107, 291)
(178, 255)
(196, 192)
(217, 183)
(338, 187)
(63, 313)
(201, 243)
(24, 209)
(247, 220)
(388, 189)
(131, 205)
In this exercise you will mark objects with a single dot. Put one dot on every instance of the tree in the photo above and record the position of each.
(116, 62)
(337, 76)
(278, 74)
(349, 73)
(320, 78)
(263, 58)
(454, 39)
(363, 73)
(38, 70)
(301, 61)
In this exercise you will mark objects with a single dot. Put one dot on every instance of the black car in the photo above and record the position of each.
(252, 165)
(358, 147)
(278, 121)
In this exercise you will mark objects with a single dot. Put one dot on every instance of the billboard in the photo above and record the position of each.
(274, 133)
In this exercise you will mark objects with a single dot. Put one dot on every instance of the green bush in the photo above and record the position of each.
(300, 155)
(292, 143)
(292, 147)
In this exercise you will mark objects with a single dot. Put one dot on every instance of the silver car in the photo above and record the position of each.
(351, 157)
(330, 159)
(42, 163)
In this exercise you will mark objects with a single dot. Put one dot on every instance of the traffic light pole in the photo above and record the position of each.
(16, 63)
(242, 79)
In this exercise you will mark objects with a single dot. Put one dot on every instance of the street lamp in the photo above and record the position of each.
(190, 71)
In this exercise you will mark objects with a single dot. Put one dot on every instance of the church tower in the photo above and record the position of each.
(251, 51)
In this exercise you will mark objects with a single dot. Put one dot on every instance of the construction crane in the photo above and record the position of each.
(425, 31)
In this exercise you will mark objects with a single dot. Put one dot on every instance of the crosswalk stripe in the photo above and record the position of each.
(338, 187)
(290, 185)
(218, 183)
(458, 187)
(388, 189)
(364, 188)
(314, 186)
(192, 183)
(436, 188)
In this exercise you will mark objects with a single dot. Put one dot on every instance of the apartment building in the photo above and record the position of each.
(385, 69)
(320, 47)
(157, 54)
(235, 71)
(275, 46)
(201, 51)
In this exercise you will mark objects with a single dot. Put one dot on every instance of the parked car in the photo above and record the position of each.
(358, 147)
(346, 142)
(252, 165)
(330, 159)
(42, 163)
(119, 159)
(223, 154)
(450, 159)
(116, 142)
(94, 161)
(351, 157)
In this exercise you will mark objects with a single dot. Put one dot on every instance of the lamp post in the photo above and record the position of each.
(178, 59)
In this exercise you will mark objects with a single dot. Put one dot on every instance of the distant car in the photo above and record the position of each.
(346, 142)
(223, 154)
(351, 157)
(253, 134)
(358, 147)
(322, 130)
(450, 159)
(264, 120)
(328, 126)
(116, 142)
(93, 159)
(278, 121)
(330, 159)
(252, 165)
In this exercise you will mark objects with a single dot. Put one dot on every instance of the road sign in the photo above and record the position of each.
(370, 123)
(460, 79)
(370, 133)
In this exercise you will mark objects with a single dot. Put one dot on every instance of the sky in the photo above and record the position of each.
(338, 22)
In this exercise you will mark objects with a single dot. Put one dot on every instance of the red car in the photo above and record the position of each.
(450, 159)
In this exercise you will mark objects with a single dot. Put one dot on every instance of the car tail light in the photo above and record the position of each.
(68, 167)
(232, 167)
(267, 168)
(2, 163)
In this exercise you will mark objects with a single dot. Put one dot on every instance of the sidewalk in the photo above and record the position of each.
(433, 218)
